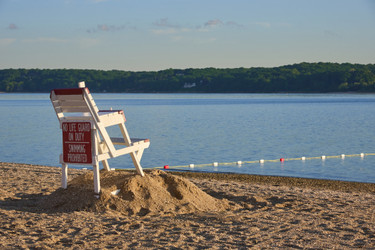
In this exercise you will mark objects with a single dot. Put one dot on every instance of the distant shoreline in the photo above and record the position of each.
(296, 78)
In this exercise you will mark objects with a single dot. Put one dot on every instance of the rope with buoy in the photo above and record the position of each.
(262, 161)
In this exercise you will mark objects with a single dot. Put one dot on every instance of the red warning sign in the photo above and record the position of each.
(77, 142)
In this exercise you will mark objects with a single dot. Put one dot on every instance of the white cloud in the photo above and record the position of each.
(217, 23)
(212, 23)
(109, 28)
(175, 32)
(164, 27)
(165, 31)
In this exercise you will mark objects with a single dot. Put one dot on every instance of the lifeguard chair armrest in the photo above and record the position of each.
(108, 112)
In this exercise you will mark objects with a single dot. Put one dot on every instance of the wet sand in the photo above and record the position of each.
(261, 212)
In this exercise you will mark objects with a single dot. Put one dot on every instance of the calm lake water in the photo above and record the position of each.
(205, 128)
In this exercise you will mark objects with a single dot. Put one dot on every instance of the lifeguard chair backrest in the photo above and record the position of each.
(69, 102)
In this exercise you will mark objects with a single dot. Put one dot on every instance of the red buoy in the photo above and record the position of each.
(282, 159)
(166, 167)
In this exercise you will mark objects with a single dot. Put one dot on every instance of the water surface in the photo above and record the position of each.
(204, 128)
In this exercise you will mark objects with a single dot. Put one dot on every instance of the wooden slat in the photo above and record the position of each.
(70, 106)
(68, 97)
(74, 118)
(111, 119)
(71, 102)
(103, 113)
(74, 109)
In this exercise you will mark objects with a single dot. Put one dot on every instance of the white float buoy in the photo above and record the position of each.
(191, 165)
(303, 158)
(323, 157)
(362, 155)
(261, 161)
(239, 162)
(215, 164)
(342, 156)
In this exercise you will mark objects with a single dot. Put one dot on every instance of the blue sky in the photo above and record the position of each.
(144, 35)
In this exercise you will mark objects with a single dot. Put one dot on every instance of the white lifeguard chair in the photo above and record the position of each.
(85, 137)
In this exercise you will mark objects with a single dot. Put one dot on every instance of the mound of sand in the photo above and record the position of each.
(156, 192)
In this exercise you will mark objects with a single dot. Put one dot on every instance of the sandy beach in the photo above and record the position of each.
(181, 210)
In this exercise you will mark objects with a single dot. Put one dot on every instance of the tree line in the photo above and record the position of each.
(302, 77)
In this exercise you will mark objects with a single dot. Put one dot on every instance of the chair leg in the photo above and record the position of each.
(106, 165)
(64, 176)
(100, 149)
(96, 178)
(134, 155)
(137, 164)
